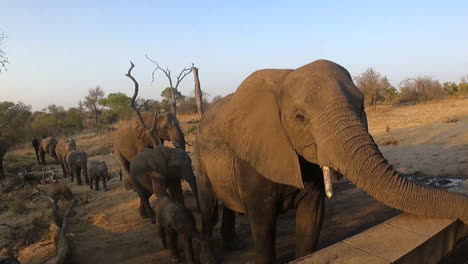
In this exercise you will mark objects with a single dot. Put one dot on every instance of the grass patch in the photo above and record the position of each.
(389, 142)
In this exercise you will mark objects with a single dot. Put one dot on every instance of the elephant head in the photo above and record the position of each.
(179, 165)
(167, 129)
(317, 112)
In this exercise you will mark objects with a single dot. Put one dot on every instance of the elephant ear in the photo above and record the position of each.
(253, 129)
(139, 130)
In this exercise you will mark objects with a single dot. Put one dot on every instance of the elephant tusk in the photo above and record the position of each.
(327, 178)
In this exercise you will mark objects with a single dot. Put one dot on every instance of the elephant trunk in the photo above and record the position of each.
(177, 136)
(189, 176)
(347, 147)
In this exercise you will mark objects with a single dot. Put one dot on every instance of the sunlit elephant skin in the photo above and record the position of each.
(264, 148)
(132, 138)
(47, 146)
(63, 147)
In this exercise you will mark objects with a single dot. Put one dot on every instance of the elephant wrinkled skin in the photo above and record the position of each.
(132, 138)
(77, 162)
(152, 171)
(262, 149)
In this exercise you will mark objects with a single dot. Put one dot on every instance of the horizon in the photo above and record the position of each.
(58, 51)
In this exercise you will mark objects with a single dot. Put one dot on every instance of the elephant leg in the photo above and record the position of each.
(64, 171)
(96, 182)
(172, 243)
(125, 168)
(104, 182)
(91, 179)
(309, 217)
(209, 216)
(262, 218)
(78, 176)
(162, 235)
(145, 209)
(187, 243)
(42, 153)
(228, 230)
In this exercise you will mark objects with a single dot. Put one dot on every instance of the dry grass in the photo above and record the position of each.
(17, 207)
(61, 192)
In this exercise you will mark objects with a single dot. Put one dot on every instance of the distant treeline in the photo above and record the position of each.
(377, 89)
(18, 124)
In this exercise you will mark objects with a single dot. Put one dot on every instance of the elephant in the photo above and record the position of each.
(152, 171)
(36, 143)
(63, 147)
(77, 162)
(175, 219)
(3, 150)
(132, 138)
(47, 146)
(273, 145)
(97, 170)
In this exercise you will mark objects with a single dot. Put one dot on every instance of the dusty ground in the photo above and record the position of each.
(424, 140)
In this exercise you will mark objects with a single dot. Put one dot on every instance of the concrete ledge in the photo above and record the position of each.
(405, 238)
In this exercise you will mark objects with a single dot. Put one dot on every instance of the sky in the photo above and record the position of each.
(60, 49)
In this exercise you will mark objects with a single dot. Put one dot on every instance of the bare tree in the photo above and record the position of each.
(150, 132)
(3, 58)
(167, 73)
(198, 91)
(91, 102)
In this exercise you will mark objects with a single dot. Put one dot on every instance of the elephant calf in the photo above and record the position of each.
(174, 219)
(77, 161)
(97, 170)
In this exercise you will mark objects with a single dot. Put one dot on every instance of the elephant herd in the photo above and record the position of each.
(270, 146)
(73, 162)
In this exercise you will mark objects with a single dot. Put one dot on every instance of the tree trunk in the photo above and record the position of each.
(198, 92)
(174, 102)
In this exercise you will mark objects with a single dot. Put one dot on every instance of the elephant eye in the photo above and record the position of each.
(300, 117)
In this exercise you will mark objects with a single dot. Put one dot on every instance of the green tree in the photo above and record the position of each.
(91, 101)
(73, 120)
(463, 86)
(118, 104)
(14, 121)
(450, 88)
(167, 94)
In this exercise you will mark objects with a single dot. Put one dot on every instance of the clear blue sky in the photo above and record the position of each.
(60, 49)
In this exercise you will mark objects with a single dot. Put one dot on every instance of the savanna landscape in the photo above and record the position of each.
(233, 132)
(425, 140)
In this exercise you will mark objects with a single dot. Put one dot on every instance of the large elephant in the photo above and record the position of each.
(262, 150)
(47, 146)
(63, 147)
(152, 171)
(3, 150)
(132, 138)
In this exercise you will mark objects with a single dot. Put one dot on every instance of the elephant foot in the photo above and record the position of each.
(235, 244)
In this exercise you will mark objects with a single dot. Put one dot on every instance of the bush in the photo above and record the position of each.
(420, 89)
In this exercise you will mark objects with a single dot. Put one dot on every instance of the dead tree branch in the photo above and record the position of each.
(183, 73)
(198, 91)
(63, 245)
(153, 130)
